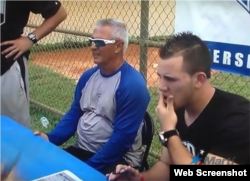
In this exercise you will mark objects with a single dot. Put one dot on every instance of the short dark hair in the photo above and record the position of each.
(196, 55)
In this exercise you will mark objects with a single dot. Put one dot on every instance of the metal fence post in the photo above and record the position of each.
(144, 36)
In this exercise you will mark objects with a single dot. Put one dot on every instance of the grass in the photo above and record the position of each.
(56, 91)
(49, 88)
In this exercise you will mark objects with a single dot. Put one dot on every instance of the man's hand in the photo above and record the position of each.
(166, 113)
(18, 47)
(10, 177)
(44, 136)
(124, 173)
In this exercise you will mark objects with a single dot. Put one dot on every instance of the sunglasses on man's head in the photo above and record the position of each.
(100, 42)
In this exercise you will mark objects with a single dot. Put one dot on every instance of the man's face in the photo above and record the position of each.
(173, 80)
(103, 51)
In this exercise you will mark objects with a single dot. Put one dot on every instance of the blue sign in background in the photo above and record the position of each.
(230, 58)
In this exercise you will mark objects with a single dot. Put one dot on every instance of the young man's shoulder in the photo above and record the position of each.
(232, 110)
(230, 101)
(224, 103)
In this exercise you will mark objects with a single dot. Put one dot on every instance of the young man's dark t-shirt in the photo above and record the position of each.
(222, 129)
(15, 16)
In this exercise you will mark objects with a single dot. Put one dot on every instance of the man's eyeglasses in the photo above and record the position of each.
(100, 42)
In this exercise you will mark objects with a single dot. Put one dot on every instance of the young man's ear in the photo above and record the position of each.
(200, 78)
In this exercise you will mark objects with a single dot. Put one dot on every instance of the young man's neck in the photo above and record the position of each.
(200, 100)
(111, 66)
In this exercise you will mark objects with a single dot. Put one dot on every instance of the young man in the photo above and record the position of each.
(212, 124)
(14, 51)
(110, 102)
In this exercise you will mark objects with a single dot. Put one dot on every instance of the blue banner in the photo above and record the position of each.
(224, 26)
(230, 58)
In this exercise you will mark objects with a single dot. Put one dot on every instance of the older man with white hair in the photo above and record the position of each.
(109, 105)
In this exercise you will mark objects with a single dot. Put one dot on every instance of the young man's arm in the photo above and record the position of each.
(160, 171)
(131, 106)
(68, 125)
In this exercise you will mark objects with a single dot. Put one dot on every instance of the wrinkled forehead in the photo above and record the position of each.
(172, 67)
(104, 32)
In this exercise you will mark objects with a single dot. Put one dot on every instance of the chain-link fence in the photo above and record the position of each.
(58, 61)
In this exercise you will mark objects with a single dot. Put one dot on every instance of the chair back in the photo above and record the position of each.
(147, 138)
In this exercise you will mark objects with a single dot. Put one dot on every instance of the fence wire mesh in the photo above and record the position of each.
(60, 58)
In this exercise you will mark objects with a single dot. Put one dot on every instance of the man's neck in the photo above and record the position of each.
(112, 66)
(198, 103)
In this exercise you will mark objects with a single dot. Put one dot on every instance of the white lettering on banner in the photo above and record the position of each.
(229, 59)
(248, 62)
